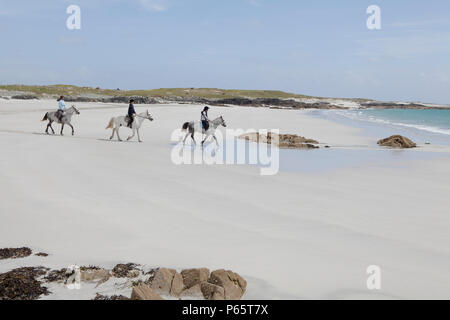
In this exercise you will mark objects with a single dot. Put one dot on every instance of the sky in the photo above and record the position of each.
(319, 48)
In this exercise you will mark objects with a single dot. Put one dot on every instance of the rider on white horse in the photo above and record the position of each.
(204, 118)
(61, 108)
(131, 113)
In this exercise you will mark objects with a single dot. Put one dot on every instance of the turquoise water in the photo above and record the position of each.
(423, 126)
(435, 121)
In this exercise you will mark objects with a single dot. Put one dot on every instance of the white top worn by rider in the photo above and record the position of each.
(61, 105)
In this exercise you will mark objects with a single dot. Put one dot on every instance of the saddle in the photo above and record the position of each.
(128, 120)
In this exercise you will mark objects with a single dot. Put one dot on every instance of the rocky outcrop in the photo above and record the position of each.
(167, 282)
(24, 97)
(191, 277)
(147, 284)
(144, 292)
(14, 253)
(212, 292)
(284, 141)
(233, 284)
(194, 292)
(397, 141)
(102, 275)
(114, 99)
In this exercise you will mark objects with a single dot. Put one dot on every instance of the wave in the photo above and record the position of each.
(360, 115)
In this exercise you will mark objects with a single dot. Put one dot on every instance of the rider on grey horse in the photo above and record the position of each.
(61, 108)
(204, 118)
(131, 113)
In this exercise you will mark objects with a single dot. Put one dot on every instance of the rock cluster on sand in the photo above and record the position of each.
(397, 141)
(284, 141)
(192, 283)
(199, 283)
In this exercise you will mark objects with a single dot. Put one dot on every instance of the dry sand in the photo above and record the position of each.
(86, 200)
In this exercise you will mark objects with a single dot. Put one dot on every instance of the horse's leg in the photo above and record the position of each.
(184, 140)
(113, 132)
(132, 136)
(139, 136)
(193, 139)
(217, 143)
(73, 131)
(46, 129)
(206, 137)
(117, 131)
(62, 128)
(51, 127)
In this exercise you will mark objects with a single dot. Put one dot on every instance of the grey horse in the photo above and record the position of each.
(66, 118)
(196, 126)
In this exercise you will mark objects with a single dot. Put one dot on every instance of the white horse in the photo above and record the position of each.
(65, 119)
(117, 122)
(196, 126)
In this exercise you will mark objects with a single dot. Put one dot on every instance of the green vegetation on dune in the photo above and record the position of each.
(207, 93)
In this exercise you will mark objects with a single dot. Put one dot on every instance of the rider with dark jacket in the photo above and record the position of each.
(131, 113)
(204, 118)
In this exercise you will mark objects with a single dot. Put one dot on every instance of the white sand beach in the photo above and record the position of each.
(294, 235)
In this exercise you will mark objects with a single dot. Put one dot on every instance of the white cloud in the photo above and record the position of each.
(154, 5)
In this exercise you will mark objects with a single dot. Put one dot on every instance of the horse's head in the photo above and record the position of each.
(75, 109)
(222, 122)
(149, 117)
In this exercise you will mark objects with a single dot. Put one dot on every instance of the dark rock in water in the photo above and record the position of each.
(21, 284)
(101, 297)
(128, 270)
(14, 253)
(397, 141)
(24, 97)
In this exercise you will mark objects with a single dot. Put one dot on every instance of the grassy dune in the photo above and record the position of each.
(207, 93)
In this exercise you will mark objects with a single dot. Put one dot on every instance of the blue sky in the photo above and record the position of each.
(320, 48)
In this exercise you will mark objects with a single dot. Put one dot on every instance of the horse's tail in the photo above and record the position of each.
(45, 117)
(185, 126)
(110, 124)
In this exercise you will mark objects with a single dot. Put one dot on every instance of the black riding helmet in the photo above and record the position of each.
(132, 101)
(206, 108)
